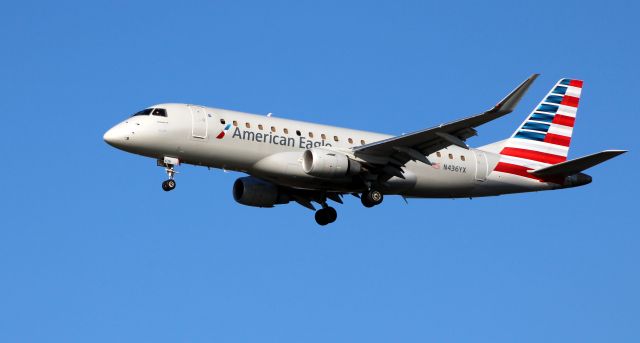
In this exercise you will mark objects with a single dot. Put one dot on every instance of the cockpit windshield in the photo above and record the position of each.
(161, 112)
(143, 112)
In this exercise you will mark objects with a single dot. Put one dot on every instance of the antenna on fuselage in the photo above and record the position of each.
(269, 114)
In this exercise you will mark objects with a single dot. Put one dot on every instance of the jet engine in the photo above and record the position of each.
(328, 164)
(252, 191)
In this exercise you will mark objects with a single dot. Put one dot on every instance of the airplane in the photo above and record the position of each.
(306, 163)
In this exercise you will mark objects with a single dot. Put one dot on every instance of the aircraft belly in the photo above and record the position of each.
(228, 154)
(501, 183)
(442, 179)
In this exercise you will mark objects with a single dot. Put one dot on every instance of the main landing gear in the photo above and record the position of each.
(371, 198)
(326, 215)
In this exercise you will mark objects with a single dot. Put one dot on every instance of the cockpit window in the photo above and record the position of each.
(143, 112)
(159, 112)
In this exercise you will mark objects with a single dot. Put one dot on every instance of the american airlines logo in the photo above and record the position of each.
(269, 138)
(223, 132)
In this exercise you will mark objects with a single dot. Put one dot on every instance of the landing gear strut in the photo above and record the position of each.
(168, 164)
(326, 215)
(371, 198)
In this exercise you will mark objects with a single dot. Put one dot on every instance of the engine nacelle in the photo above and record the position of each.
(328, 164)
(252, 191)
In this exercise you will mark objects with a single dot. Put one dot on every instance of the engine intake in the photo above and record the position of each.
(328, 164)
(251, 191)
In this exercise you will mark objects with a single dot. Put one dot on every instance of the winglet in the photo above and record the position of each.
(508, 104)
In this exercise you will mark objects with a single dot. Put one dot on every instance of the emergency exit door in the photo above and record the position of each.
(482, 165)
(198, 122)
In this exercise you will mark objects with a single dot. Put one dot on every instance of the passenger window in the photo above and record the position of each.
(286, 131)
(323, 136)
(247, 125)
(222, 121)
(362, 142)
(310, 134)
(260, 126)
(438, 154)
(350, 141)
(273, 129)
(161, 112)
(335, 138)
(298, 133)
(451, 156)
(143, 112)
(235, 123)
(462, 158)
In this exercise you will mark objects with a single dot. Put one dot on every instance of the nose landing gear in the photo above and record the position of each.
(168, 185)
(168, 164)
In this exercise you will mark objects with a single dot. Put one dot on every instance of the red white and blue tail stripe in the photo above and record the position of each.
(544, 138)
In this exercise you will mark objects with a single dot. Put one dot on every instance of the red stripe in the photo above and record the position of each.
(576, 83)
(564, 120)
(220, 135)
(524, 172)
(557, 139)
(533, 155)
(515, 170)
(569, 100)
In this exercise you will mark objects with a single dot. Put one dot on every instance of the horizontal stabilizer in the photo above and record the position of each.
(579, 164)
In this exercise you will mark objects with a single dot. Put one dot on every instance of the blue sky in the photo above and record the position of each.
(91, 248)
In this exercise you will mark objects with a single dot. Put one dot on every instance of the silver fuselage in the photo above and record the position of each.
(258, 145)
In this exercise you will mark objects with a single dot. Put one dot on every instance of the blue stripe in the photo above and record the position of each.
(536, 126)
(555, 99)
(547, 108)
(565, 82)
(227, 127)
(560, 90)
(542, 117)
(530, 135)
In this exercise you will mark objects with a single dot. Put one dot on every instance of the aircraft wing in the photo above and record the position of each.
(414, 146)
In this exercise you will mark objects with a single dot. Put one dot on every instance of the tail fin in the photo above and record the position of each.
(544, 137)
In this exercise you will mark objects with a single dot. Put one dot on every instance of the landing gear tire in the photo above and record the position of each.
(372, 198)
(326, 216)
(168, 185)
(366, 202)
(332, 214)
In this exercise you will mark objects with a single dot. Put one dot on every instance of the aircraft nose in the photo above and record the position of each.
(115, 136)
(109, 136)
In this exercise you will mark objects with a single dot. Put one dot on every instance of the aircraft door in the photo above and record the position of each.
(481, 165)
(198, 122)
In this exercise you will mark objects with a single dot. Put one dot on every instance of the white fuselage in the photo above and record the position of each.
(271, 148)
